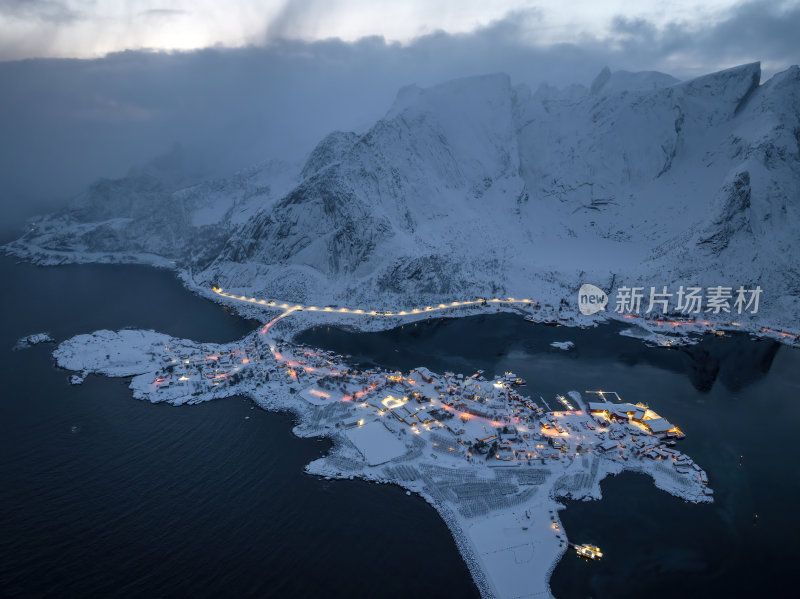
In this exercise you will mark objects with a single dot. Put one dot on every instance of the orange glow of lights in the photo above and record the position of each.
(318, 393)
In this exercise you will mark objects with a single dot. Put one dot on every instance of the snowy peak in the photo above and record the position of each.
(729, 90)
(328, 151)
(434, 150)
(607, 82)
(474, 94)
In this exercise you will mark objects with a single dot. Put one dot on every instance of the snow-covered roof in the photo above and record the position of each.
(659, 425)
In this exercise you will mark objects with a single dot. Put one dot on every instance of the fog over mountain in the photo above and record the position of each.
(69, 122)
(482, 186)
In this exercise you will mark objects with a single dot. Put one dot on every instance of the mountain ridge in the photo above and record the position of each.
(477, 186)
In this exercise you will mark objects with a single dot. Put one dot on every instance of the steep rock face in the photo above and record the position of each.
(593, 148)
(730, 213)
(437, 152)
(322, 224)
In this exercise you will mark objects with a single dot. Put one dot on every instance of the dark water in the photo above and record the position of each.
(732, 396)
(102, 495)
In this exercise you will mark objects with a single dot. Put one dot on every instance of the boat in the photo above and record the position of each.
(588, 551)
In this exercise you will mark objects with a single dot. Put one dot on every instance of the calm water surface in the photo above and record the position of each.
(102, 495)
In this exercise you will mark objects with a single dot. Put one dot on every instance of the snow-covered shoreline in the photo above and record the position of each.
(278, 376)
(761, 325)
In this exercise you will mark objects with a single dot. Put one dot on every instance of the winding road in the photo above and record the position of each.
(290, 307)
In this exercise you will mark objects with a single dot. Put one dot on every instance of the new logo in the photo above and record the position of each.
(591, 299)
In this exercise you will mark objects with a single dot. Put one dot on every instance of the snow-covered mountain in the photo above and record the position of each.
(477, 186)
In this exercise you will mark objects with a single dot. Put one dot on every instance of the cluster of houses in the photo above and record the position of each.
(484, 417)
(638, 414)
(488, 417)
(194, 369)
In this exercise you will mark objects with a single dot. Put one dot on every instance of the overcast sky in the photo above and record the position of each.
(88, 28)
(115, 83)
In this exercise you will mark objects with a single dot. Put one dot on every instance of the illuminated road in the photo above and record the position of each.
(294, 363)
(290, 307)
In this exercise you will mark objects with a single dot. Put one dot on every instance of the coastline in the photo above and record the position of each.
(138, 354)
(763, 326)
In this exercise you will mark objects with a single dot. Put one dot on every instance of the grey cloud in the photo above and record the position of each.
(291, 17)
(760, 30)
(67, 122)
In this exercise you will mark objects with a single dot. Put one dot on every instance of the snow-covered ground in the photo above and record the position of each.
(35, 339)
(563, 345)
(490, 460)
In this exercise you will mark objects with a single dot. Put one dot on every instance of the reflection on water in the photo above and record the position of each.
(734, 397)
(492, 342)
